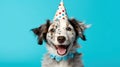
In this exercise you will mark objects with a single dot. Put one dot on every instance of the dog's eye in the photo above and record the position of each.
(68, 29)
(52, 30)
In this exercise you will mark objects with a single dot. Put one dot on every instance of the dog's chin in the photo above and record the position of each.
(62, 49)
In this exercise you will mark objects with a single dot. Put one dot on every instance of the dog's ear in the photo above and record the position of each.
(41, 32)
(79, 28)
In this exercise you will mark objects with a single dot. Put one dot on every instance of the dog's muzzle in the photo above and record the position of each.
(61, 39)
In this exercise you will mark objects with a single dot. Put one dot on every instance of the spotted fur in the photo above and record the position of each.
(71, 30)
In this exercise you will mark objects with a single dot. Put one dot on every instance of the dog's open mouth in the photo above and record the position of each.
(61, 49)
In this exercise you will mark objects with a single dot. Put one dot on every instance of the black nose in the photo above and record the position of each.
(61, 39)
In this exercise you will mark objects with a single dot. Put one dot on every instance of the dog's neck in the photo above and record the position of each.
(60, 58)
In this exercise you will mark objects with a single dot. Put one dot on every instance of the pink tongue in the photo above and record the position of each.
(61, 51)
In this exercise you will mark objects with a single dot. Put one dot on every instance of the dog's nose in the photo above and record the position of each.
(61, 39)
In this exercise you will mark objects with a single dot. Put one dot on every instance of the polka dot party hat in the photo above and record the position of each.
(61, 12)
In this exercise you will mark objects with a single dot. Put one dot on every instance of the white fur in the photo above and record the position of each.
(61, 28)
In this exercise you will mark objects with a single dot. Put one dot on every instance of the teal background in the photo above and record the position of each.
(18, 45)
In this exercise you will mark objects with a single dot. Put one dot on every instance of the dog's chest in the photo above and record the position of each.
(48, 62)
(60, 64)
(63, 64)
(74, 62)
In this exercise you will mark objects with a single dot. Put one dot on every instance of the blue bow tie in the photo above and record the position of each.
(59, 58)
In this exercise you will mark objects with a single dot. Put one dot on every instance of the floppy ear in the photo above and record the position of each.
(41, 32)
(79, 28)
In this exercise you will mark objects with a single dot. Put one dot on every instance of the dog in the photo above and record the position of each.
(61, 39)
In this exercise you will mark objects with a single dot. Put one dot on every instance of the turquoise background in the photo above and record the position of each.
(18, 45)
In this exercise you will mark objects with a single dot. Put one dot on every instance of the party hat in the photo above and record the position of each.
(61, 13)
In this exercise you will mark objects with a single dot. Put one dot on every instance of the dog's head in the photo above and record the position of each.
(60, 36)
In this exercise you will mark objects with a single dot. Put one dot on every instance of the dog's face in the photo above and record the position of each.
(60, 36)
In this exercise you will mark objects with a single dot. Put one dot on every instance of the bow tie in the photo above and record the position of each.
(59, 58)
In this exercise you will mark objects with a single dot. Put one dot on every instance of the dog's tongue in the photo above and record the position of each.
(61, 50)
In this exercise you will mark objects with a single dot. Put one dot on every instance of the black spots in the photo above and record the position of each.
(59, 30)
(56, 27)
(59, 33)
(51, 37)
(51, 34)
(72, 33)
(52, 31)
